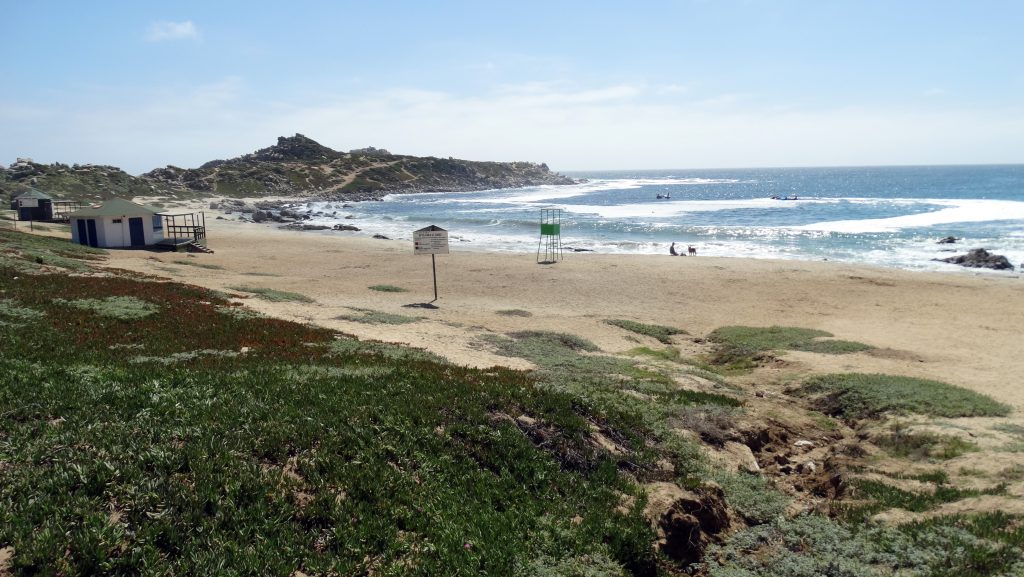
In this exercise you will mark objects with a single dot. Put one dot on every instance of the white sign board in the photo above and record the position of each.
(430, 240)
(28, 202)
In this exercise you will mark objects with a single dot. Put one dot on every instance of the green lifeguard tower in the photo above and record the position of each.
(550, 243)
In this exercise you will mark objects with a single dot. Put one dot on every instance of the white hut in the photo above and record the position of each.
(116, 223)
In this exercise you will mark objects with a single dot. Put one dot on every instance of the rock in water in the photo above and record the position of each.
(980, 258)
(948, 240)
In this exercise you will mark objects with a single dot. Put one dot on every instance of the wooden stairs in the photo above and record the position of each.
(194, 246)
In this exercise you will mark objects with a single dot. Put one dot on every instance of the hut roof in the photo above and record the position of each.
(114, 207)
(33, 193)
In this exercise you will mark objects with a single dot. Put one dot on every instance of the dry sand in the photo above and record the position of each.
(964, 329)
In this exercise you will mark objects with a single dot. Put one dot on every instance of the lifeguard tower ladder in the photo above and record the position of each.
(550, 236)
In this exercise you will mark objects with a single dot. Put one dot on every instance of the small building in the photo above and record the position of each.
(33, 205)
(116, 223)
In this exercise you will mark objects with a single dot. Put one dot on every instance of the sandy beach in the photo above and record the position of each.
(964, 329)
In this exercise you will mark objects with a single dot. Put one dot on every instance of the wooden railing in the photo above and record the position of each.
(196, 232)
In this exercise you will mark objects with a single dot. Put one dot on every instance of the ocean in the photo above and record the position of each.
(883, 216)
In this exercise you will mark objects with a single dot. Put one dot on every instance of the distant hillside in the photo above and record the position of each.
(77, 182)
(296, 166)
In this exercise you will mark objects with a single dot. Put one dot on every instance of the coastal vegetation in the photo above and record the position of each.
(372, 317)
(857, 396)
(273, 295)
(752, 340)
(740, 349)
(151, 428)
(388, 288)
(659, 332)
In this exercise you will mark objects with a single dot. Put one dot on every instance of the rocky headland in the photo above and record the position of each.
(295, 167)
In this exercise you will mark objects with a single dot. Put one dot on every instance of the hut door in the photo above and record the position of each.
(91, 225)
(136, 232)
(83, 236)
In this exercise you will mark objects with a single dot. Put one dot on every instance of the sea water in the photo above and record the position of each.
(886, 216)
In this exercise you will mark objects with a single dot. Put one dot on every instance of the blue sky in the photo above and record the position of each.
(579, 85)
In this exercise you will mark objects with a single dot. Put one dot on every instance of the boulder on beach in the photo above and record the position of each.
(980, 258)
(302, 226)
(345, 227)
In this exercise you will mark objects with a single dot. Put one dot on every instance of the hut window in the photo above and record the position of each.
(117, 221)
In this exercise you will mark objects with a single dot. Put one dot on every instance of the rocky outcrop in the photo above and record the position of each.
(299, 167)
(980, 258)
(295, 167)
(947, 240)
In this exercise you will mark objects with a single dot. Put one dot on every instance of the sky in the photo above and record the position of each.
(580, 85)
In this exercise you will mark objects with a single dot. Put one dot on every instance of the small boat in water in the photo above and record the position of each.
(794, 197)
(664, 196)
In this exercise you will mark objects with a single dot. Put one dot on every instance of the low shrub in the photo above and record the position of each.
(371, 317)
(387, 288)
(660, 332)
(776, 338)
(14, 313)
(273, 295)
(922, 445)
(120, 307)
(857, 396)
(515, 313)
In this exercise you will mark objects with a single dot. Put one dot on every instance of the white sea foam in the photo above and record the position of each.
(552, 193)
(667, 208)
(957, 210)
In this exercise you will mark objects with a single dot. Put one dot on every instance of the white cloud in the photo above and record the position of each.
(616, 126)
(167, 30)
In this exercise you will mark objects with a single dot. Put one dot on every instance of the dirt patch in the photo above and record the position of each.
(6, 554)
(687, 521)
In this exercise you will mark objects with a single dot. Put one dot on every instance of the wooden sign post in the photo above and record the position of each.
(432, 240)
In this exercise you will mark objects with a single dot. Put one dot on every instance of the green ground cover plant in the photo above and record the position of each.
(808, 545)
(388, 288)
(372, 317)
(27, 252)
(12, 313)
(923, 445)
(619, 389)
(348, 346)
(883, 496)
(858, 396)
(660, 332)
(776, 338)
(740, 348)
(19, 241)
(309, 451)
(119, 307)
(193, 262)
(272, 294)
(515, 313)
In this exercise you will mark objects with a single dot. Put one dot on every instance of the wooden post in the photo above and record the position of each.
(433, 266)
